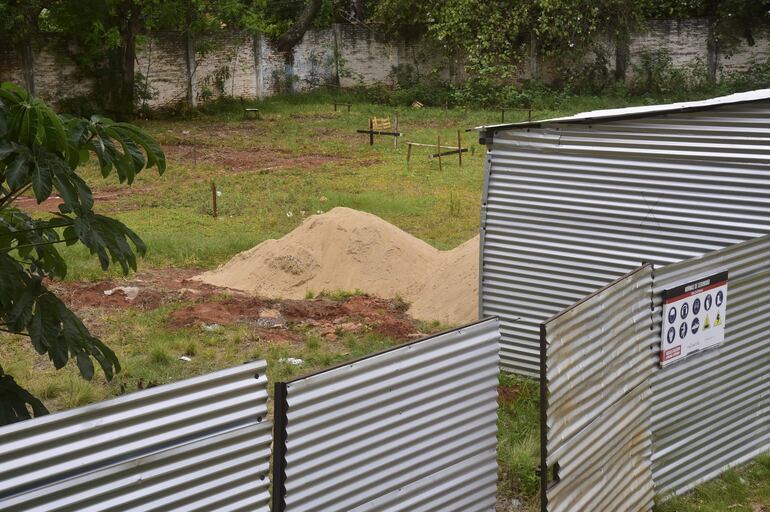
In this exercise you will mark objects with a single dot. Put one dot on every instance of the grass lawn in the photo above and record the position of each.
(299, 159)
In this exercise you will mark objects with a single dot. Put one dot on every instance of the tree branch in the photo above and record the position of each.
(294, 34)
(11, 197)
(16, 247)
(36, 229)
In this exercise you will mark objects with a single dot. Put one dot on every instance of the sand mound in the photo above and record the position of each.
(346, 249)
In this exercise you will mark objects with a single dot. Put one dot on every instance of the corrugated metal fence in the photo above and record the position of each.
(711, 411)
(201, 444)
(570, 207)
(617, 420)
(413, 428)
(596, 387)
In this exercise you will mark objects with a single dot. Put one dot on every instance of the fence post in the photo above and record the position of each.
(280, 420)
(214, 199)
(371, 132)
(438, 150)
(395, 121)
(543, 420)
(459, 149)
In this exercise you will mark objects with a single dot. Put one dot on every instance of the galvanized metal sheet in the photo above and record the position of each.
(645, 110)
(196, 445)
(711, 411)
(570, 207)
(599, 360)
(398, 427)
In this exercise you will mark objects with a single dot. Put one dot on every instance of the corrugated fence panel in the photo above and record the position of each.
(416, 424)
(569, 208)
(711, 411)
(201, 444)
(599, 359)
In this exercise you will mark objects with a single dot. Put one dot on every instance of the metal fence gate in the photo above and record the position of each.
(413, 428)
(615, 420)
(596, 401)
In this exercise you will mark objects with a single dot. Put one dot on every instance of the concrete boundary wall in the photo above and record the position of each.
(241, 65)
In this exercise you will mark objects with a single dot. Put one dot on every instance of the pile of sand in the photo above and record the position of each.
(346, 249)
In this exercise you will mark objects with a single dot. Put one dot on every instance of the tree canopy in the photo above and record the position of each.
(40, 151)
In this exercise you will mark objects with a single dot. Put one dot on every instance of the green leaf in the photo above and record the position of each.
(85, 365)
(17, 172)
(19, 315)
(6, 148)
(42, 183)
(14, 401)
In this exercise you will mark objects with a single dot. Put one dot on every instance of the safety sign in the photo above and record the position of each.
(694, 317)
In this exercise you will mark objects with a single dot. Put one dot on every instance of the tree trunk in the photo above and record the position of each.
(28, 63)
(622, 50)
(712, 41)
(120, 95)
(289, 39)
(534, 68)
(192, 100)
(712, 47)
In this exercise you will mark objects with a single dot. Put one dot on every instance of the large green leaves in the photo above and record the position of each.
(40, 151)
(16, 401)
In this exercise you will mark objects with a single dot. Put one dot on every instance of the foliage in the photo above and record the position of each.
(757, 76)
(40, 151)
(495, 36)
(733, 21)
(656, 74)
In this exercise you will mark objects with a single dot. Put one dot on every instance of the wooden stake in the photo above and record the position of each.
(459, 147)
(438, 150)
(371, 135)
(408, 154)
(395, 122)
(214, 198)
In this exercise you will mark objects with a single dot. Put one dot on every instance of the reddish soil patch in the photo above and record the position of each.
(148, 290)
(242, 160)
(506, 395)
(52, 203)
(228, 311)
(270, 320)
(384, 316)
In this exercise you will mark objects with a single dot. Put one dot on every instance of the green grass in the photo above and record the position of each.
(746, 489)
(299, 159)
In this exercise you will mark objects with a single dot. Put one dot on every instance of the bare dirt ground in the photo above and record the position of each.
(108, 195)
(207, 305)
(243, 160)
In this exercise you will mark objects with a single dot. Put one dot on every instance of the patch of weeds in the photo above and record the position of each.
(518, 449)
(191, 348)
(159, 355)
(76, 392)
(401, 304)
(339, 295)
(430, 327)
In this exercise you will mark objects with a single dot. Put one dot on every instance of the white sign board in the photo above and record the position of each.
(694, 316)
